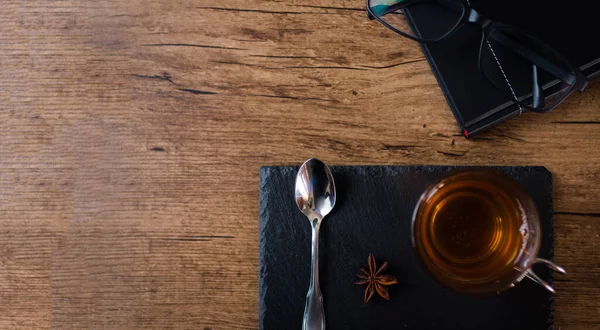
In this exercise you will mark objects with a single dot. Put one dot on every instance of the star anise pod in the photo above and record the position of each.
(376, 281)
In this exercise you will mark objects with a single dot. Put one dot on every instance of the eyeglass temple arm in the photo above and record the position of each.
(538, 98)
(538, 60)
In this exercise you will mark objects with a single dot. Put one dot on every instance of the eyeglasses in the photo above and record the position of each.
(506, 52)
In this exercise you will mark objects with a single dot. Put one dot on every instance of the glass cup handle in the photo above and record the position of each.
(534, 277)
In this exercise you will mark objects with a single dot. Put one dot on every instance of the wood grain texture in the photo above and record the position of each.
(131, 134)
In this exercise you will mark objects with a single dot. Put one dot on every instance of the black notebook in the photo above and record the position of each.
(569, 27)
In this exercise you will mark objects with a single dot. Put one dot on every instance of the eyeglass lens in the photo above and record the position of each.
(447, 12)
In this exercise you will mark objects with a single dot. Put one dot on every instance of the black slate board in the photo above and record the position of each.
(372, 214)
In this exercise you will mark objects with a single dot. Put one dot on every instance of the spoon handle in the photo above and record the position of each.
(314, 317)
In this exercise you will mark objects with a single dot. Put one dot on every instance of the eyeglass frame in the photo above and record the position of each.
(488, 27)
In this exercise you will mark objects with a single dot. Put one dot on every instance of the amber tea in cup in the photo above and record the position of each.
(477, 231)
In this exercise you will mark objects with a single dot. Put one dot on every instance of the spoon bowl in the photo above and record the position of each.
(315, 189)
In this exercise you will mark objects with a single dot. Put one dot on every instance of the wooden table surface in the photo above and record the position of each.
(132, 132)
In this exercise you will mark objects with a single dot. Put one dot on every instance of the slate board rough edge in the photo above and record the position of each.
(265, 174)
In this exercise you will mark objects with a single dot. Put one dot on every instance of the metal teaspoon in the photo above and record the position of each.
(315, 197)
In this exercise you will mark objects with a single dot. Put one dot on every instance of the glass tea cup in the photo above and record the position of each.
(477, 231)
